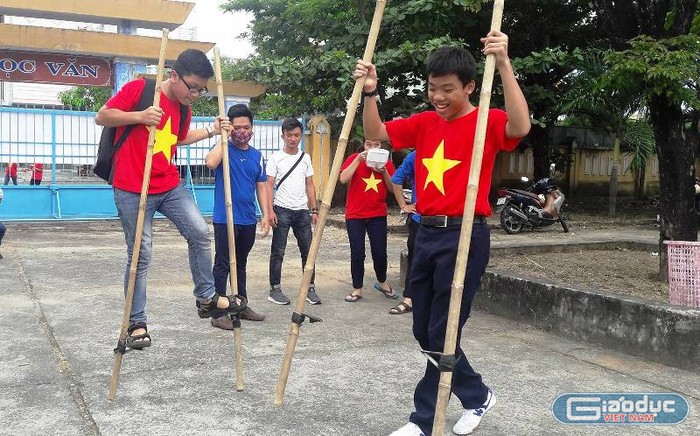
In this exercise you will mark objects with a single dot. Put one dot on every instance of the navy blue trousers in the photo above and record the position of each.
(431, 282)
(376, 229)
(410, 243)
(244, 236)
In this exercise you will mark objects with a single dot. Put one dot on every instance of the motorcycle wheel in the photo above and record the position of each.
(563, 224)
(510, 222)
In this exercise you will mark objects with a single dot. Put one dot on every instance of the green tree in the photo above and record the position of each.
(306, 50)
(92, 98)
(85, 98)
(595, 97)
(658, 51)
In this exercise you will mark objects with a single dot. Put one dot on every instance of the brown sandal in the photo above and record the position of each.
(400, 309)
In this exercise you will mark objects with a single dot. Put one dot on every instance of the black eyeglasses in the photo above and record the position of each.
(193, 90)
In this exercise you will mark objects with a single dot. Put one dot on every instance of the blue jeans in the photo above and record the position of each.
(177, 205)
(376, 229)
(435, 254)
(300, 222)
(2, 231)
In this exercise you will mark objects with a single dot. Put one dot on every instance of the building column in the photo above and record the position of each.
(126, 70)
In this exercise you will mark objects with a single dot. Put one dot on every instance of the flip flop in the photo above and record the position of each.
(400, 309)
(351, 298)
(388, 294)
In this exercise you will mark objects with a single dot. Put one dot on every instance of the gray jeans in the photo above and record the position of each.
(177, 205)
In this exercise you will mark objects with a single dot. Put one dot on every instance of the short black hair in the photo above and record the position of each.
(290, 124)
(452, 60)
(192, 61)
(240, 110)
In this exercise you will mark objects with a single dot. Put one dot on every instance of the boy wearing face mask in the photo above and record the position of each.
(248, 178)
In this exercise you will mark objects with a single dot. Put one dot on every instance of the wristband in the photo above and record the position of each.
(371, 93)
(210, 132)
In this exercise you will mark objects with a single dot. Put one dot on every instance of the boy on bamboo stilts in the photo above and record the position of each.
(186, 83)
(247, 172)
(444, 140)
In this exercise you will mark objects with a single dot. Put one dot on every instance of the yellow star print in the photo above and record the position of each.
(372, 183)
(437, 167)
(164, 141)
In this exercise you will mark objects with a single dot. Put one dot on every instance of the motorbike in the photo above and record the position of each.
(539, 205)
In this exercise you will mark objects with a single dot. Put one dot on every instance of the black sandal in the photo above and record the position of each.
(138, 342)
(207, 310)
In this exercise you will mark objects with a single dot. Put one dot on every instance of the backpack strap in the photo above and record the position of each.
(183, 118)
(145, 101)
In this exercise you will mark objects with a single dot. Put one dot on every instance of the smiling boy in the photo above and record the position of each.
(444, 140)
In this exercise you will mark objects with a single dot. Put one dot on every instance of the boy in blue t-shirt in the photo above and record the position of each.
(247, 171)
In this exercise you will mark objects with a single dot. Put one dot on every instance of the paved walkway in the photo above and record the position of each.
(353, 374)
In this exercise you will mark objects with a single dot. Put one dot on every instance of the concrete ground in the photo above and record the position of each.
(353, 374)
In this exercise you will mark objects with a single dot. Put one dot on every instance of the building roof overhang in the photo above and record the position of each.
(100, 44)
(149, 14)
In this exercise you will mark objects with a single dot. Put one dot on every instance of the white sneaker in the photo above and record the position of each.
(472, 417)
(409, 429)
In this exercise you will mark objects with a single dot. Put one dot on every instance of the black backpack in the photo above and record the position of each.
(104, 164)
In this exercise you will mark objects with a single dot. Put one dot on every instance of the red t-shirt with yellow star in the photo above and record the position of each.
(130, 160)
(366, 191)
(443, 157)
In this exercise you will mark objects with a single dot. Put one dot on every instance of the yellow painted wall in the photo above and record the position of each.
(589, 171)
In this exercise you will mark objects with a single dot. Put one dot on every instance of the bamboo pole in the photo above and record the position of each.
(233, 277)
(445, 385)
(119, 353)
(326, 203)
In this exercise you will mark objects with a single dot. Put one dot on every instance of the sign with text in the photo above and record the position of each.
(17, 66)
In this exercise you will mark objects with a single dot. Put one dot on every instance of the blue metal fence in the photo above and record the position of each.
(65, 142)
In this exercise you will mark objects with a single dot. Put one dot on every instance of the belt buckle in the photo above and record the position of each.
(442, 224)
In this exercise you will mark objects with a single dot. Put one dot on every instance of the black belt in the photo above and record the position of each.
(447, 221)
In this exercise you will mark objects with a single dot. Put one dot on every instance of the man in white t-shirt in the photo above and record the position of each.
(289, 178)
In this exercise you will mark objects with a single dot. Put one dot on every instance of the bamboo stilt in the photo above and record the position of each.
(325, 204)
(445, 385)
(119, 355)
(237, 338)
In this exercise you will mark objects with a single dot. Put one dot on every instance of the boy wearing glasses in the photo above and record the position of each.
(186, 83)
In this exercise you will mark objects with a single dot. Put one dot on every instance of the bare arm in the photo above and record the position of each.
(386, 176)
(270, 201)
(347, 173)
(262, 192)
(207, 132)
(518, 124)
(214, 157)
(398, 194)
(311, 197)
(116, 117)
(374, 128)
